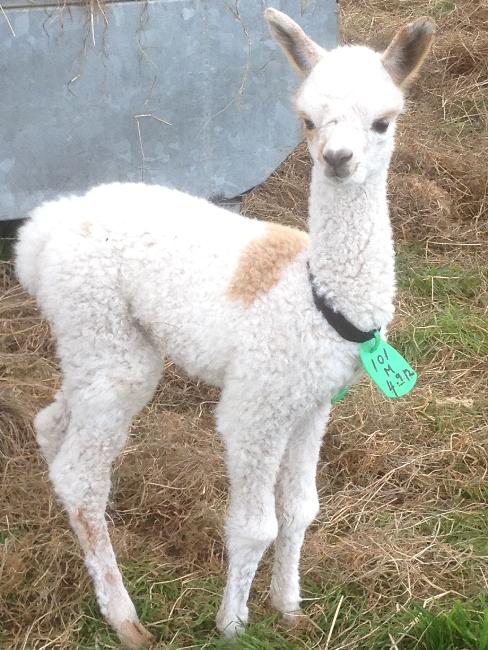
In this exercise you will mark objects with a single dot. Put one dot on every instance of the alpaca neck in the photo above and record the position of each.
(351, 248)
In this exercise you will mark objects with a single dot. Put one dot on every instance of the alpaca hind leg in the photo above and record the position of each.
(296, 506)
(50, 425)
(254, 449)
(80, 474)
(101, 410)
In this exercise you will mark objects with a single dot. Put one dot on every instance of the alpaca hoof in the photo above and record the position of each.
(134, 635)
(232, 629)
(230, 626)
(295, 620)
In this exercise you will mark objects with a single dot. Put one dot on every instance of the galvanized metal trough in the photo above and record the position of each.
(188, 93)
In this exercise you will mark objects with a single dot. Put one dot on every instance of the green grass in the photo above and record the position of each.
(465, 116)
(452, 318)
(169, 606)
(478, 493)
(449, 418)
(441, 8)
(464, 331)
(467, 530)
(94, 632)
(461, 625)
(442, 284)
(445, 283)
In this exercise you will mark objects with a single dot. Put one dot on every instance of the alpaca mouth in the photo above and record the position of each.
(340, 174)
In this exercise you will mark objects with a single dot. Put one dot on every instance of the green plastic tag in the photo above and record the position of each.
(387, 368)
(340, 395)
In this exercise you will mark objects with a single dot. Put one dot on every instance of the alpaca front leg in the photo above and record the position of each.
(296, 505)
(247, 535)
(254, 452)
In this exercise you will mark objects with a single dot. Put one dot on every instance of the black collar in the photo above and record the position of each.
(337, 320)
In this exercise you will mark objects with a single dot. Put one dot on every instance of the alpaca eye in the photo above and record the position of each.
(308, 124)
(380, 126)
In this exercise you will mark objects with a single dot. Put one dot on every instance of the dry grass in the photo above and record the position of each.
(403, 485)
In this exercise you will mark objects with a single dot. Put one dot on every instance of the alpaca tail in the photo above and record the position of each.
(32, 238)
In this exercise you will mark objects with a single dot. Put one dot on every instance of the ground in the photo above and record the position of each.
(398, 555)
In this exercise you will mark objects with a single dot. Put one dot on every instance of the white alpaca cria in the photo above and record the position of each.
(129, 274)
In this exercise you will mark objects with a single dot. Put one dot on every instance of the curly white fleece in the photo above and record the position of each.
(130, 274)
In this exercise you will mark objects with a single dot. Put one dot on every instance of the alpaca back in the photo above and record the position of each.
(133, 224)
(166, 259)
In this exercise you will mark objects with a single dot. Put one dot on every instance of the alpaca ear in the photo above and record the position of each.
(302, 52)
(407, 51)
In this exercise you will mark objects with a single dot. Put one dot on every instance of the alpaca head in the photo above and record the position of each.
(351, 96)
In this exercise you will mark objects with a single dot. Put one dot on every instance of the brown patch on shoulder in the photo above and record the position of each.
(264, 261)
(85, 228)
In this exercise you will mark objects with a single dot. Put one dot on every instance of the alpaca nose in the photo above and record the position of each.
(337, 157)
